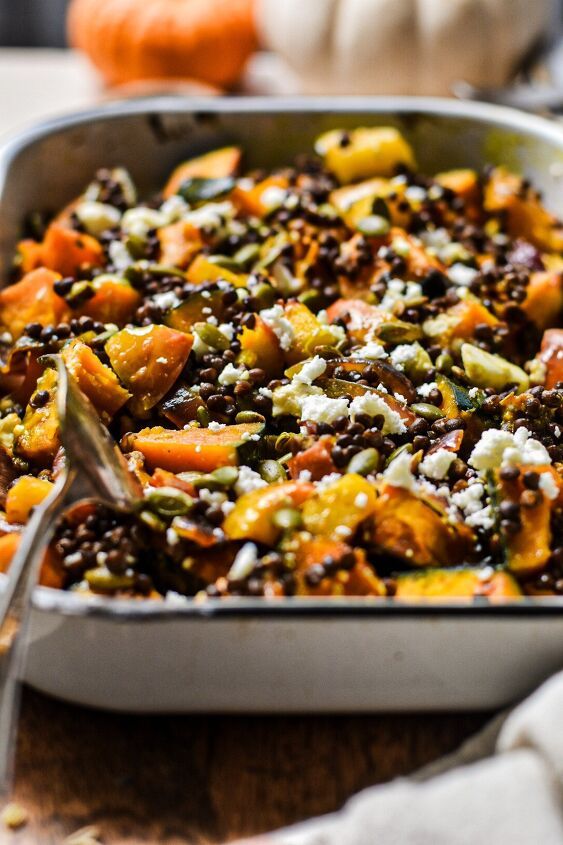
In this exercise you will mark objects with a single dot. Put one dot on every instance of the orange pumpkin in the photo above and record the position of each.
(128, 40)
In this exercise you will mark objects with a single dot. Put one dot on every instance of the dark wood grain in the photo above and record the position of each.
(197, 779)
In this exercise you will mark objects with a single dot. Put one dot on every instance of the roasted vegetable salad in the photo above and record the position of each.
(337, 378)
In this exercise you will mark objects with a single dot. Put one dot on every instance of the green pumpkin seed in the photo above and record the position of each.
(152, 521)
(202, 190)
(272, 471)
(264, 294)
(202, 416)
(364, 462)
(247, 255)
(374, 226)
(101, 578)
(286, 283)
(212, 336)
(398, 331)
(428, 412)
(249, 417)
(327, 352)
(444, 362)
(406, 447)
(224, 261)
(312, 299)
(169, 502)
(225, 476)
(136, 246)
(80, 292)
(287, 519)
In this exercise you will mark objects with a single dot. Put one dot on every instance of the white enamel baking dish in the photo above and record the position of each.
(283, 655)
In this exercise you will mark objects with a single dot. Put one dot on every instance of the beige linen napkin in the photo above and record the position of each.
(503, 787)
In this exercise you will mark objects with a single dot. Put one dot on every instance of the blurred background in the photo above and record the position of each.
(502, 50)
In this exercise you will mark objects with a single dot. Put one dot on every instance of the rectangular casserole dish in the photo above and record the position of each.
(287, 654)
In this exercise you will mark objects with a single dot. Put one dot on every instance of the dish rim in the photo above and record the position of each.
(65, 603)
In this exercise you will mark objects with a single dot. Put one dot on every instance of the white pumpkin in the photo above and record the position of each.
(401, 46)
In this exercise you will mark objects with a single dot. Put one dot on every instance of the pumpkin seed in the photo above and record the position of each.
(398, 331)
(428, 412)
(487, 370)
(264, 294)
(152, 521)
(311, 298)
(286, 283)
(202, 416)
(247, 255)
(212, 336)
(374, 226)
(287, 519)
(224, 261)
(169, 502)
(272, 471)
(380, 208)
(364, 462)
(444, 362)
(406, 447)
(101, 578)
(327, 352)
(80, 292)
(136, 246)
(225, 476)
(202, 190)
(249, 417)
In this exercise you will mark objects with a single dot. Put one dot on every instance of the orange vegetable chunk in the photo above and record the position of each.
(68, 252)
(33, 299)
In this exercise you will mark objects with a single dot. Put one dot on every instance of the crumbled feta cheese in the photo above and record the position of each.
(165, 300)
(402, 354)
(469, 500)
(287, 399)
(483, 518)
(327, 481)
(216, 426)
(96, 217)
(400, 246)
(460, 274)
(161, 360)
(247, 436)
(437, 464)
(398, 473)
(342, 531)
(120, 256)
(172, 537)
(497, 447)
(361, 500)
(244, 562)
(272, 197)
(435, 238)
(399, 291)
(275, 318)
(305, 475)
(138, 221)
(321, 409)
(537, 371)
(228, 330)
(372, 351)
(415, 193)
(374, 406)
(247, 481)
(426, 389)
(211, 215)
(173, 208)
(548, 485)
(310, 371)
(232, 374)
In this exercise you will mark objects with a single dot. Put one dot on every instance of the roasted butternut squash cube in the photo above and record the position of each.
(39, 438)
(251, 518)
(337, 510)
(33, 299)
(97, 381)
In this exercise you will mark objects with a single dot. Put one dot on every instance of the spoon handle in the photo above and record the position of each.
(15, 610)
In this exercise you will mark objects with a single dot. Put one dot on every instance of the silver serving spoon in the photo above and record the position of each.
(94, 470)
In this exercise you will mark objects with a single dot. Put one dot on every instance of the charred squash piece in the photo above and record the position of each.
(194, 448)
(201, 270)
(251, 517)
(148, 361)
(455, 399)
(52, 572)
(528, 550)
(180, 407)
(361, 318)
(308, 332)
(97, 381)
(544, 298)
(213, 165)
(39, 439)
(317, 460)
(31, 300)
(418, 531)
(337, 510)
(357, 580)
(179, 243)
(253, 200)
(25, 494)
(114, 301)
(526, 216)
(260, 347)
(194, 310)
(68, 252)
(466, 582)
(551, 355)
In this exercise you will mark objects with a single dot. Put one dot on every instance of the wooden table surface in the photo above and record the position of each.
(174, 780)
